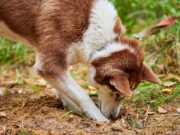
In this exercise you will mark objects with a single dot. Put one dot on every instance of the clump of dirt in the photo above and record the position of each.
(32, 115)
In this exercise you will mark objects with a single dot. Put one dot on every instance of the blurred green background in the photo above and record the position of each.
(137, 14)
(162, 48)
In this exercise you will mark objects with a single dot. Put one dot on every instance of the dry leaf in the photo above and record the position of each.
(139, 125)
(152, 30)
(162, 110)
(167, 91)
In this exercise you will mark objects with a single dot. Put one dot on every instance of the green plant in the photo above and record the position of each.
(12, 53)
(138, 14)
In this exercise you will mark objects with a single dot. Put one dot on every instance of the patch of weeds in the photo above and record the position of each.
(25, 132)
(13, 54)
(138, 14)
(163, 50)
(154, 95)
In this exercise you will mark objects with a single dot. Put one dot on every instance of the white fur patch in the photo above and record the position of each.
(100, 34)
(111, 48)
(101, 28)
(8, 33)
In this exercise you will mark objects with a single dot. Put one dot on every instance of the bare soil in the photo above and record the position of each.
(26, 114)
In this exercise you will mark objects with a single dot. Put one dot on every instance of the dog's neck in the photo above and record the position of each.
(99, 34)
(100, 31)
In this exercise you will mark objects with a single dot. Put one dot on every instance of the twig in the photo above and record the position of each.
(146, 115)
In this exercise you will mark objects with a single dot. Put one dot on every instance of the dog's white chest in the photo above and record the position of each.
(8, 33)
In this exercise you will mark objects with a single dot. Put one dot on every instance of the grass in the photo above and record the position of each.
(155, 95)
(25, 132)
(162, 50)
(138, 14)
(13, 54)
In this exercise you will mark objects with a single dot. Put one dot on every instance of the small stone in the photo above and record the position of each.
(41, 82)
(139, 125)
(3, 114)
(178, 110)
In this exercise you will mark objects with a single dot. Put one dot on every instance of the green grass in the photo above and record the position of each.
(13, 54)
(138, 14)
(154, 95)
(25, 132)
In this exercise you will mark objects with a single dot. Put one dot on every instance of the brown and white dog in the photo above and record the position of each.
(66, 32)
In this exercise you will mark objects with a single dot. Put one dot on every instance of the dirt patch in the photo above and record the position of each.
(30, 114)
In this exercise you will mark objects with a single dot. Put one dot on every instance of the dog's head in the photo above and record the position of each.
(117, 70)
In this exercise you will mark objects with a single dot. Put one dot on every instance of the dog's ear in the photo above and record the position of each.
(122, 85)
(119, 27)
(149, 75)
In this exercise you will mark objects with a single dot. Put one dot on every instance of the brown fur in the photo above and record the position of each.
(51, 26)
(119, 65)
(118, 27)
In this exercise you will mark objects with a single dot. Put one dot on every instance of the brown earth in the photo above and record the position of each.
(33, 115)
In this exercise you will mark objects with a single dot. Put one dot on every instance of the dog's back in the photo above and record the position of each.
(18, 16)
(30, 18)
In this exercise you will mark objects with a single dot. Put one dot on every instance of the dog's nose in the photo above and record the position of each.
(113, 117)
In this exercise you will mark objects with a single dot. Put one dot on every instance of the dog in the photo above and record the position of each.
(66, 32)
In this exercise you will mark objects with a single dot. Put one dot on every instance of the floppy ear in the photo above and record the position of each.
(149, 75)
(122, 85)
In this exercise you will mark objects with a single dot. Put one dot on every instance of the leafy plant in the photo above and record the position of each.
(12, 53)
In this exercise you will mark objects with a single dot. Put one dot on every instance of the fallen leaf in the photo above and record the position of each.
(152, 30)
(167, 91)
(161, 110)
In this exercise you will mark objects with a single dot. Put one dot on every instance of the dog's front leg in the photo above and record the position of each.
(76, 96)
(68, 88)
